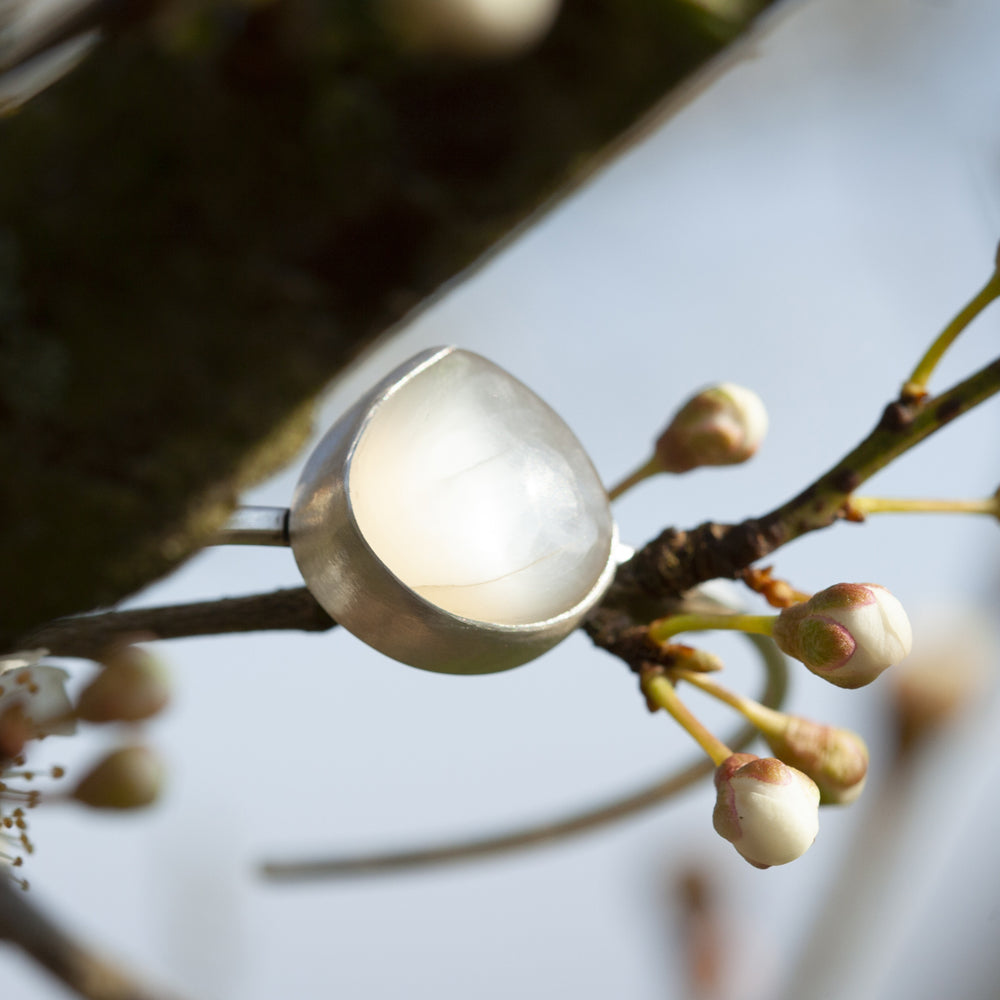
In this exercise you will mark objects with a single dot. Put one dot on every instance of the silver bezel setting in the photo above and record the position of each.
(361, 593)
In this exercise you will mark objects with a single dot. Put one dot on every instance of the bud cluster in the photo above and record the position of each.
(768, 807)
(131, 687)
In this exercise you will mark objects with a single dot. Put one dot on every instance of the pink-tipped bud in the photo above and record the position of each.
(767, 810)
(847, 634)
(722, 425)
(836, 759)
(132, 686)
(129, 778)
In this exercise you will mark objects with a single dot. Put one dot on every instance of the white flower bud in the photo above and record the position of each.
(722, 425)
(767, 810)
(130, 778)
(836, 759)
(38, 692)
(132, 686)
(847, 634)
(476, 28)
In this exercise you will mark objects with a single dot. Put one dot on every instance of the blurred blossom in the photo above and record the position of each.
(475, 28)
(38, 693)
(129, 778)
(133, 685)
(946, 675)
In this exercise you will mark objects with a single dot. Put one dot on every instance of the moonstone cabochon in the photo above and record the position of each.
(452, 520)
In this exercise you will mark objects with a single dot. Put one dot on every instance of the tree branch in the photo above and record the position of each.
(678, 560)
(23, 924)
(552, 831)
(660, 572)
(89, 635)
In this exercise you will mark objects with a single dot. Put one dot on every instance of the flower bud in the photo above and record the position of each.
(132, 686)
(767, 810)
(836, 759)
(126, 779)
(847, 634)
(722, 425)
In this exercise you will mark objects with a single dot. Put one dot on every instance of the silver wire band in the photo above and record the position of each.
(255, 526)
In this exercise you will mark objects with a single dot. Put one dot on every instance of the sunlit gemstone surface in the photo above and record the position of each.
(478, 497)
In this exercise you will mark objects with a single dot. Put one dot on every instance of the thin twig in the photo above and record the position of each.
(664, 569)
(915, 386)
(89, 635)
(903, 426)
(23, 924)
(541, 834)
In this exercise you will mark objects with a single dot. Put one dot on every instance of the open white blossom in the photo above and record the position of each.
(767, 810)
(33, 704)
(38, 691)
(847, 634)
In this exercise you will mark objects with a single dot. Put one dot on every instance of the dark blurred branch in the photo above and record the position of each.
(23, 924)
(209, 219)
(89, 635)
(62, 23)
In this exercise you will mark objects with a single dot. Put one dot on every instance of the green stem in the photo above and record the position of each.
(909, 505)
(916, 385)
(662, 629)
(661, 692)
(548, 831)
(651, 468)
(899, 430)
(759, 715)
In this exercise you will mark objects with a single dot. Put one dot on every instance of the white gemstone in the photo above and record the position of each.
(478, 497)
